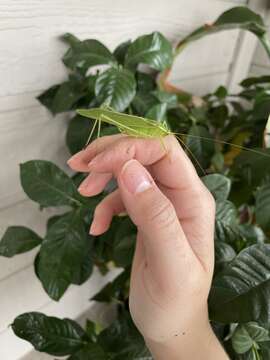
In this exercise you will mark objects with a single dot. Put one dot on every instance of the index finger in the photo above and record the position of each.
(168, 161)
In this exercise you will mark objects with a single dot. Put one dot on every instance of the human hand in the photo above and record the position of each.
(174, 257)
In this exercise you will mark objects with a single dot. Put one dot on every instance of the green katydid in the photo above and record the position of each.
(138, 126)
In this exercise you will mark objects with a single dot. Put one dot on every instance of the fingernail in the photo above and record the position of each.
(93, 228)
(135, 177)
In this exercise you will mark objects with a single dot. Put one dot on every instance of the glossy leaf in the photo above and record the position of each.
(239, 17)
(157, 112)
(62, 254)
(48, 185)
(85, 270)
(255, 81)
(65, 97)
(70, 39)
(49, 334)
(143, 101)
(18, 240)
(47, 97)
(224, 254)
(200, 149)
(123, 340)
(219, 185)
(84, 54)
(114, 289)
(77, 133)
(90, 352)
(252, 167)
(262, 209)
(121, 51)
(241, 292)
(153, 49)
(116, 88)
(248, 335)
(166, 98)
(146, 83)
(262, 106)
(221, 92)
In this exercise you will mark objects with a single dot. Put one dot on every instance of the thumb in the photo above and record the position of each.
(164, 240)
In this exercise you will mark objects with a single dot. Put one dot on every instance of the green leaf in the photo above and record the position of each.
(143, 101)
(49, 334)
(121, 51)
(90, 352)
(248, 335)
(17, 240)
(241, 292)
(52, 220)
(224, 254)
(114, 289)
(252, 167)
(62, 254)
(262, 209)
(77, 133)
(219, 115)
(124, 243)
(153, 49)
(85, 54)
(221, 92)
(70, 39)
(239, 17)
(91, 329)
(48, 185)
(166, 98)
(255, 81)
(145, 82)
(200, 145)
(123, 340)
(226, 228)
(262, 106)
(47, 97)
(157, 112)
(65, 97)
(251, 234)
(219, 185)
(85, 270)
(116, 87)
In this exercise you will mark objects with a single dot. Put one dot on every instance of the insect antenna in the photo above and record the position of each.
(224, 143)
(191, 153)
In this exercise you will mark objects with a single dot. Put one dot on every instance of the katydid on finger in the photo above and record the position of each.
(141, 127)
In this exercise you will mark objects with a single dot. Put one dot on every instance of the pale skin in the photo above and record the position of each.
(172, 268)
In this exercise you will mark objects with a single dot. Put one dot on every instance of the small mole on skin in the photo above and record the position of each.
(128, 150)
(183, 333)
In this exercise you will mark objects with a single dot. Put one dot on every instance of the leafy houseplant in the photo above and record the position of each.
(239, 302)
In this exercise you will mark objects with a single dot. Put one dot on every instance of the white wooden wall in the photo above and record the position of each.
(29, 63)
(261, 63)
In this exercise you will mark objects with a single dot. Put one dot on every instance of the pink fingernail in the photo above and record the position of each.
(135, 177)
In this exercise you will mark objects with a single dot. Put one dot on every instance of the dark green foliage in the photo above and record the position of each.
(238, 180)
(17, 240)
(49, 334)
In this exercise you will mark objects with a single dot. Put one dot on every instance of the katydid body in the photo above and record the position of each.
(138, 126)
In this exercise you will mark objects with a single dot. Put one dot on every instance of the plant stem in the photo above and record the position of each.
(255, 350)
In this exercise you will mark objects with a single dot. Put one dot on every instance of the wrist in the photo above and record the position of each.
(194, 342)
